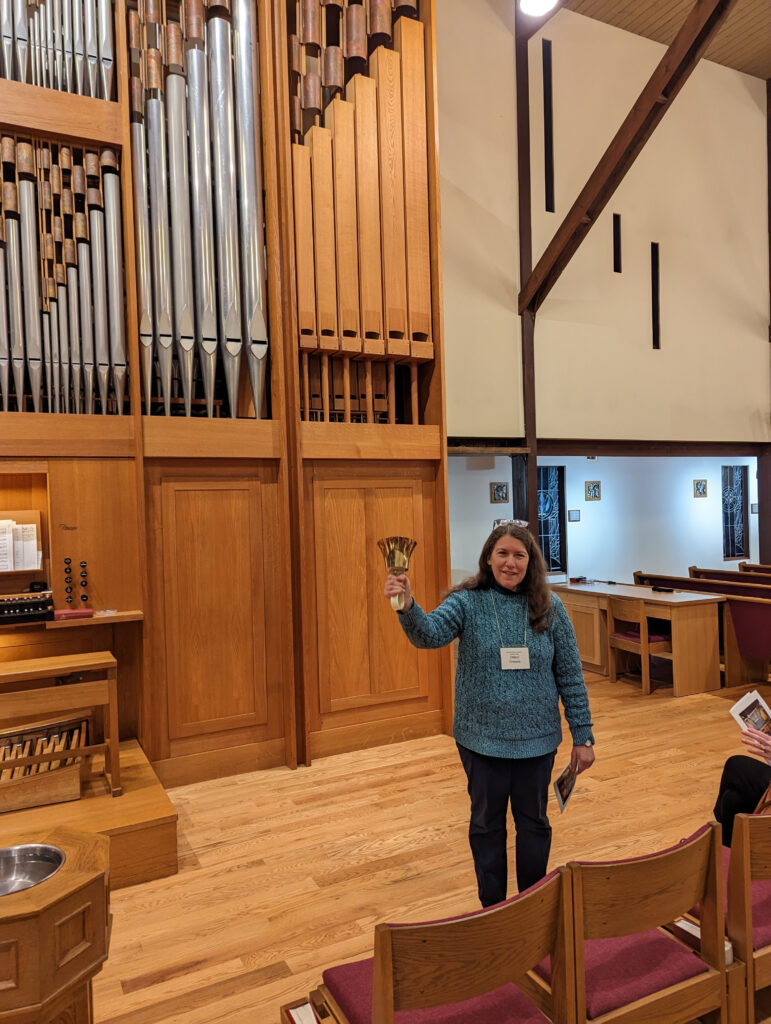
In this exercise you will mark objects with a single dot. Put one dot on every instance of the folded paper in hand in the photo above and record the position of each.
(751, 711)
(564, 784)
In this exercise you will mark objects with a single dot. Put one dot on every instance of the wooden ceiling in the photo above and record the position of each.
(743, 42)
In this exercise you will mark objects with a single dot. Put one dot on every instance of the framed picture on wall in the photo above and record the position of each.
(574, 515)
(499, 493)
(700, 488)
(592, 490)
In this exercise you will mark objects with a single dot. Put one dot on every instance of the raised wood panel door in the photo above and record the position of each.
(94, 519)
(363, 658)
(214, 590)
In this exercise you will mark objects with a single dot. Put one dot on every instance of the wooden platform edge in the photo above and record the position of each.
(141, 824)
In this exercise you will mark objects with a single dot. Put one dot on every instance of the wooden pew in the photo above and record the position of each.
(730, 576)
(746, 622)
(754, 567)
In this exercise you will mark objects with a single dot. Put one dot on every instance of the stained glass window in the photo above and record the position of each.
(736, 541)
(551, 516)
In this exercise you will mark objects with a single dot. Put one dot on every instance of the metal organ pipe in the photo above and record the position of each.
(200, 190)
(255, 329)
(5, 347)
(98, 276)
(159, 207)
(25, 158)
(179, 185)
(141, 201)
(114, 247)
(225, 198)
(84, 287)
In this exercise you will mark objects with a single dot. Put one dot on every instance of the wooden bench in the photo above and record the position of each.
(28, 704)
(730, 576)
(746, 631)
(754, 567)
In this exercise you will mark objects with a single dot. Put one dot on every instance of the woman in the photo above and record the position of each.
(744, 781)
(517, 656)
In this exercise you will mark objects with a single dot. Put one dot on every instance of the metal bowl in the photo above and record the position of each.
(22, 867)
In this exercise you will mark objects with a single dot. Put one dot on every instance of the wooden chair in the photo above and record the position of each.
(748, 915)
(628, 968)
(465, 970)
(628, 631)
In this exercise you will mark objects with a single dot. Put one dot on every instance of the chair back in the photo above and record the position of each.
(627, 610)
(750, 862)
(624, 897)
(423, 965)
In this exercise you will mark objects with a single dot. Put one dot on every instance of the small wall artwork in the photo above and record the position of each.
(574, 515)
(592, 490)
(700, 488)
(499, 493)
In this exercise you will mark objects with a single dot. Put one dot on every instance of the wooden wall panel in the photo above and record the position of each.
(94, 518)
(216, 632)
(366, 678)
(341, 537)
(215, 606)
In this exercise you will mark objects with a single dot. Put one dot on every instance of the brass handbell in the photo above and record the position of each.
(396, 552)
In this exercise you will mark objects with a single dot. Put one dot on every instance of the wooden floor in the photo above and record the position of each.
(284, 873)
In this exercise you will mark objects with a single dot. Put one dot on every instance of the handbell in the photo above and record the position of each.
(397, 552)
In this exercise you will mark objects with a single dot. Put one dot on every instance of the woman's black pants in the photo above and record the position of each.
(744, 781)
(493, 784)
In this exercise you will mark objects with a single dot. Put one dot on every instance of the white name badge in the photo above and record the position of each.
(515, 657)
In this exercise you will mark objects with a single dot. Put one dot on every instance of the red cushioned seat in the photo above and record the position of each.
(351, 986)
(621, 970)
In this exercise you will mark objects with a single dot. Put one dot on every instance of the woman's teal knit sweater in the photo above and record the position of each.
(507, 713)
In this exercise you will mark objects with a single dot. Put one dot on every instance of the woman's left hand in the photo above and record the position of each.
(582, 758)
(757, 743)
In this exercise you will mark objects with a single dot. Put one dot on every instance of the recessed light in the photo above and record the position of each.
(537, 8)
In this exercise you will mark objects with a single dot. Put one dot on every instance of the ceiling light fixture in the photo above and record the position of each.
(537, 8)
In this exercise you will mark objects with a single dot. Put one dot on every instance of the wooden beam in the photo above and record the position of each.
(666, 81)
(525, 267)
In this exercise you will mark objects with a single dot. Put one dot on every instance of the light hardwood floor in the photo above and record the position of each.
(283, 873)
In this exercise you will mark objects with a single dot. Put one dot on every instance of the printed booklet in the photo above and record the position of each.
(752, 712)
(564, 784)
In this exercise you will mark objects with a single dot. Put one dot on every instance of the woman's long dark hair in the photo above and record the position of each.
(534, 584)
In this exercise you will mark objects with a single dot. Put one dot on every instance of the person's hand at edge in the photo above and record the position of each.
(758, 743)
(582, 758)
(395, 585)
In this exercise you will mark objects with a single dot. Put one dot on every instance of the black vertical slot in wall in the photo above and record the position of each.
(655, 325)
(616, 243)
(548, 127)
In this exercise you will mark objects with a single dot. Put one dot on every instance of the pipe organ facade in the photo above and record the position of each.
(221, 367)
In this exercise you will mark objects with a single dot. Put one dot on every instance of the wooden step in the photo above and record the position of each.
(142, 824)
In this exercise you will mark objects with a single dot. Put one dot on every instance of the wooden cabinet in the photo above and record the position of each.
(591, 628)
(363, 678)
(215, 635)
(94, 519)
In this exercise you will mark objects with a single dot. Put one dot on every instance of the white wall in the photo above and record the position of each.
(480, 247)
(471, 513)
(699, 189)
(647, 517)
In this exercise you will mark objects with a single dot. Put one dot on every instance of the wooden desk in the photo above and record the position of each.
(693, 617)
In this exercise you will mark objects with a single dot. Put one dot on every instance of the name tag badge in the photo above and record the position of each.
(515, 657)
